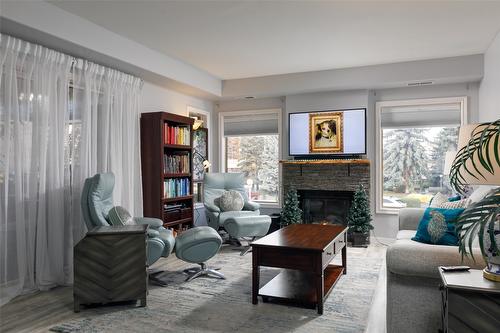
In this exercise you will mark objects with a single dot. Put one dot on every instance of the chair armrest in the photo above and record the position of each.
(152, 222)
(153, 233)
(251, 205)
(212, 208)
(409, 218)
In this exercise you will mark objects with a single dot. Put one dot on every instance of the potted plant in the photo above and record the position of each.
(291, 213)
(359, 218)
(478, 162)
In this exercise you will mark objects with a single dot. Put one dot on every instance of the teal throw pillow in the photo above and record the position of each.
(119, 216)
(437, 226)
(454, 198)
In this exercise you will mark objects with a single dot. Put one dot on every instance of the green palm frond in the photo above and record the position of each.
(474, 220)
(478, 145)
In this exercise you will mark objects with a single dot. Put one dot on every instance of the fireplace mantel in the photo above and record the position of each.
(319, 161)
(327, 175)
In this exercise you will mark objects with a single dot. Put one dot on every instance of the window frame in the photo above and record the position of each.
(379, 156)
(222, 145)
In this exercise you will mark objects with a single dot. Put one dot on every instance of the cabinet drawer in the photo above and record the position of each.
(339, 245)
(328, 254)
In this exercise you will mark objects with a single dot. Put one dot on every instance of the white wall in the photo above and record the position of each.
(156, 98)
(439, 71)
(489, 90)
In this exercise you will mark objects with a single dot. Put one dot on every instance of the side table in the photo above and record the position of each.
(110, 265)
(470, 303)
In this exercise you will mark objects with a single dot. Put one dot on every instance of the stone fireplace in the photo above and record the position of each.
(325, 187)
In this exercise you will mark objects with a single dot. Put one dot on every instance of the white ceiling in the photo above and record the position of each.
(240, 39)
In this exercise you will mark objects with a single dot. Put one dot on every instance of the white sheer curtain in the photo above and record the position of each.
(105, 116)
(61, 121)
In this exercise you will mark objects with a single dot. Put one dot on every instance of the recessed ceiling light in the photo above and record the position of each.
(249, 97)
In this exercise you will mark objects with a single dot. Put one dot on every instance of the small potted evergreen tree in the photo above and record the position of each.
(291, 213)
(359, 218)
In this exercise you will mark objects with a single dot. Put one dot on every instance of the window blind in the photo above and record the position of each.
(447, 114)
(246, 124)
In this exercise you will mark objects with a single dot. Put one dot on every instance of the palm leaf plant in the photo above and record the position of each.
(475, 162)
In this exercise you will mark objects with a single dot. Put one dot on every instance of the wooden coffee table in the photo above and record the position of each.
(304, 251)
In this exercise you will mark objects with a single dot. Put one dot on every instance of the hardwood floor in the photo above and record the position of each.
(42, 310)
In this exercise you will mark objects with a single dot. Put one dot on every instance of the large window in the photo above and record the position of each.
(416, 140)
(250, 142)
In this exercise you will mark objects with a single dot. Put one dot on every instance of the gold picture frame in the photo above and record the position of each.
(326, 130)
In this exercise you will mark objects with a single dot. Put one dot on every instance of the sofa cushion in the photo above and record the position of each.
(405, 234)
(438, 199)
(407, 257)
(437, 226)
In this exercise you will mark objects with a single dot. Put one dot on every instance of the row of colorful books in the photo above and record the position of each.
(178, 187)
(177, 135)
(176, 163)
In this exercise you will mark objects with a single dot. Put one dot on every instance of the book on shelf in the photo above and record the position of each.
(178, 187)
(177, 135)
(176, 163)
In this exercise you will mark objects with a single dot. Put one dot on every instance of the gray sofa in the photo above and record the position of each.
(413, 296)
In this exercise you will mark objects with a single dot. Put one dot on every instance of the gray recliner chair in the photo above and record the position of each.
(238, 224)
(97, 201)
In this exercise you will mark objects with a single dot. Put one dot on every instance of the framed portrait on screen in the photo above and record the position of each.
(326, 132)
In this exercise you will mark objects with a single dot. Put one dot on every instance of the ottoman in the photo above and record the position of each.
(247, 226)
(196, 246)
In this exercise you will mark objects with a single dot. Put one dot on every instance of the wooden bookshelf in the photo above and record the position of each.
(166, 156)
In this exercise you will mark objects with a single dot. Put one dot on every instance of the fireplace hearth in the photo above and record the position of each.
(325, 206)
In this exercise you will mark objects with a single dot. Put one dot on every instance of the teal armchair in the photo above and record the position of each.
(97, 201)
(242, 224)
(215, 184)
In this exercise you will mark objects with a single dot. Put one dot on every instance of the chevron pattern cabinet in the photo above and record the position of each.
(110, 266)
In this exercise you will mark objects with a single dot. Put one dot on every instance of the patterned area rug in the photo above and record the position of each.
(212, 305)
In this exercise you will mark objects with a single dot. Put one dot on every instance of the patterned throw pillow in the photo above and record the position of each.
(438, 199)
(455, 198)
(464, 203)
(119, 216)
(437, 226)
(231, 200)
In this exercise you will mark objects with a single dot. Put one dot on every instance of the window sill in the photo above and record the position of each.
(387, 211)
(275, 205)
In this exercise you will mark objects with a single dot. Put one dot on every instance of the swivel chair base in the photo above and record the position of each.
(154, 277)
(244, 249)
(203, 270)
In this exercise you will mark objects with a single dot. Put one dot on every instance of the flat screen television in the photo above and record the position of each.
(327, 134)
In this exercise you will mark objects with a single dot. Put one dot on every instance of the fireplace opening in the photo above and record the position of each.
(320, 206)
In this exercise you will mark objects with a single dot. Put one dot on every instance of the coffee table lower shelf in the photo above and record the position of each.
(299, 286)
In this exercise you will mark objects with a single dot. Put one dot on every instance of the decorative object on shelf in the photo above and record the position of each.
(197, 123)
(478, 163)
(291, 212)
(359, 218)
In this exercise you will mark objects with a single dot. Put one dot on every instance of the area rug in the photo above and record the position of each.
(212, 305)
